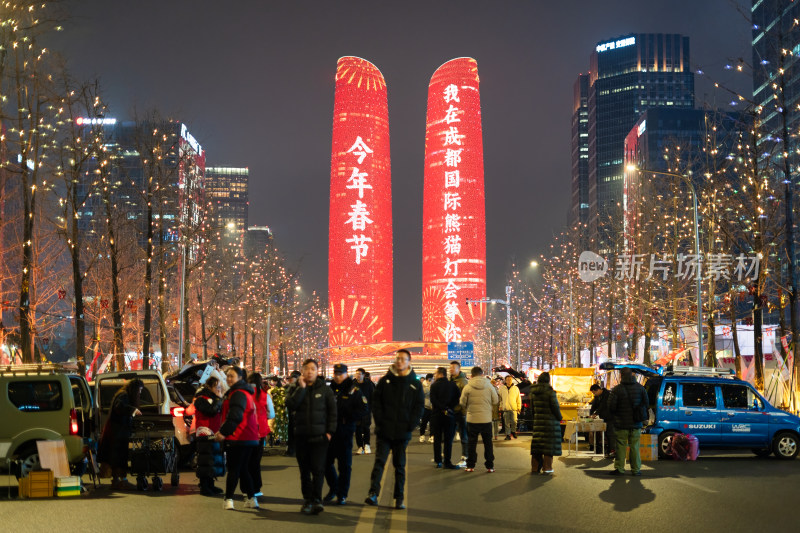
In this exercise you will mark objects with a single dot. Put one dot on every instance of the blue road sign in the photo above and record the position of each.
(463, 352)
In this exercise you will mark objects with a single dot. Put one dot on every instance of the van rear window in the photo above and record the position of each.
(36, 395)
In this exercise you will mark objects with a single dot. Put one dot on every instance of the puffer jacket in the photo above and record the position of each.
(314, 408)
(210, 458)
(461, 381)
(624, 398)
(206, 409)
(546, 420)
(426, 387)
(240, 423)
(397, 405)
(478, 399)
(510, 399)
(351, 406)
(262, 413)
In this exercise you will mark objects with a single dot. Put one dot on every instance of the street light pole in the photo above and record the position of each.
(689, 182)
(507, 303)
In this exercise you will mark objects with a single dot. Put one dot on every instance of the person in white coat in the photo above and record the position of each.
(478, 400)
(510, 405)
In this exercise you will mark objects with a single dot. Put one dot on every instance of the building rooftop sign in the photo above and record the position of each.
(619, 43)
(191, 140)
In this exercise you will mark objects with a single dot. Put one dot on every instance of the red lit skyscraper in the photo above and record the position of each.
(454, 214)
(360, 236)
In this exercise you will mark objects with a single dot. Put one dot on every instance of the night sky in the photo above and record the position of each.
(254, 80)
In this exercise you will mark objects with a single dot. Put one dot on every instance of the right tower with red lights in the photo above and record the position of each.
(454, 211)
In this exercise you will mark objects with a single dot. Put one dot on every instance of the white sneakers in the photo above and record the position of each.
(367, 449)
(227, 505)
(462, 464)
(422, 438)
(251, 504)
(360, 451)
(430, 439)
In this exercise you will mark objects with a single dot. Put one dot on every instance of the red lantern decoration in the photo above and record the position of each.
(62, 294)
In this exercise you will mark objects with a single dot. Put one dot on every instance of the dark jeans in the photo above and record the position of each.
(423, 424)
(254, 466)
(398, 451)
(485, 431)
(340, 450)
(461, 427)
(238, 469)
(311, 460)
(362, 431)
(443, 428)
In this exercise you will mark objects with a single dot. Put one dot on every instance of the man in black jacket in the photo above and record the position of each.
(367, 388)
(291, 384)
(350, 407)
(444, 398)
(626, 400)
(397, 406)
(599, 409)
(314, 409)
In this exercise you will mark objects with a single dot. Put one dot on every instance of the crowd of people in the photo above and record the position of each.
(232, 415)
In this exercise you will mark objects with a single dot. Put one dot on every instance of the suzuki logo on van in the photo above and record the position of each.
(700, 426)
(591, 267)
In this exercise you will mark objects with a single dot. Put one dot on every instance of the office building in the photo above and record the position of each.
(628, 75)
(226, 193)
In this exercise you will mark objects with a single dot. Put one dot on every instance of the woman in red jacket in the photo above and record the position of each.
(239, 431)
(207, 411)
(262, 401)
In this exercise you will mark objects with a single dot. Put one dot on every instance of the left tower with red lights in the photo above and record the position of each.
(360, 234)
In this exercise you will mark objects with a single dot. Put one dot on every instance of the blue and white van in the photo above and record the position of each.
(720, 410)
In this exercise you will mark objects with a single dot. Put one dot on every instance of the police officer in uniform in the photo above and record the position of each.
(351, 406)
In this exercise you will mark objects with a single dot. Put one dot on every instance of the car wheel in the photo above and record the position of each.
(786, 445)
(664, 441)
(762, 452)
(28, 461)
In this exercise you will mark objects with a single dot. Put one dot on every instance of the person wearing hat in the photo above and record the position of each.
(351, 406)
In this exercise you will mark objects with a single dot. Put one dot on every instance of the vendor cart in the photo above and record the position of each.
(153, 451)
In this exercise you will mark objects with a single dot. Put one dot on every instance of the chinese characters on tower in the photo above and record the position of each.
(360, 233)
(454, 229)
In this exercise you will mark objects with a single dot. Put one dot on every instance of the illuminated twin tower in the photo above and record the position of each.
(454, 219)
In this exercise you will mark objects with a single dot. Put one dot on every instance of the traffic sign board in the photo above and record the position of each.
(463, 352)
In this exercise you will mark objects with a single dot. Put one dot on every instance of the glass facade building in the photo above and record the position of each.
(226, 192)
(579, 205)
(627, 76)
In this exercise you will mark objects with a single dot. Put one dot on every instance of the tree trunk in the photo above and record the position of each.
(202, 319)
(737, 353)
(148, 280)
(116, 310)
(77, 287)
(592, 355)
(758, 358)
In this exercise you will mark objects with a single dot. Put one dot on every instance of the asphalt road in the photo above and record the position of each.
(719, 492)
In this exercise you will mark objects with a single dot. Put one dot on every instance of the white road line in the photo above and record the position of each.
(696, 485)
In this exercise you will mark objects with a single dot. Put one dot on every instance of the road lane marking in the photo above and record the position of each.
(369, 514)
(696, 485)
